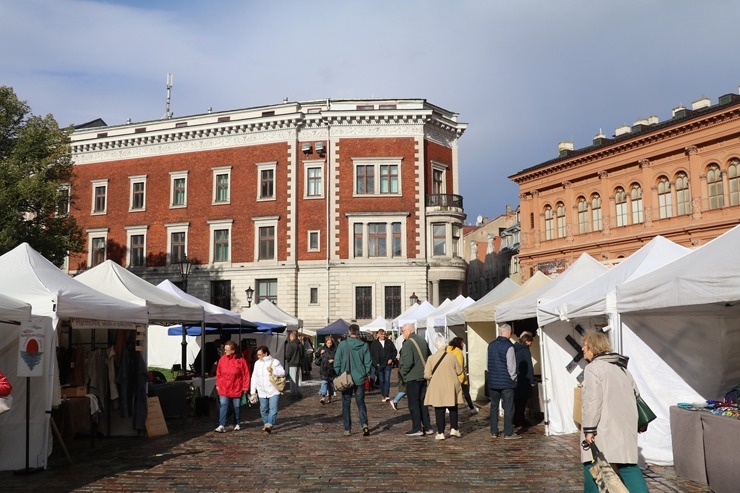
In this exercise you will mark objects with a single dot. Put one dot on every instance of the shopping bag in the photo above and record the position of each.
(6, 403)
(606, 478)
(278, 382)
(577, 406)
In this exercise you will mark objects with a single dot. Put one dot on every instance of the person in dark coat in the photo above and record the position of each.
(294, 353)
(502, 381)
(525, 377)
(325, 362)
(383, 352)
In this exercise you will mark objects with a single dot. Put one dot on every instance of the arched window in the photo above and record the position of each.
(714, 184)
(596, 211)
(636, 199)
(665, 205)
(582, 215)
(620, 199)
(561, 219)
(683, 198)
(733, 175)
(549, 223)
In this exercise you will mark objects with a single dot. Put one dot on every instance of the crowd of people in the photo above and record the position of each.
(438, 380)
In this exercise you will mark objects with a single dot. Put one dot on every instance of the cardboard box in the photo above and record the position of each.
(74, 391)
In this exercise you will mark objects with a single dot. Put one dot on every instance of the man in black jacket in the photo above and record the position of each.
(294, 353)
(383, 352)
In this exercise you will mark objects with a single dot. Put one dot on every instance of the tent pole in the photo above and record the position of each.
(184, 346)
(545, 378)
(203, 359)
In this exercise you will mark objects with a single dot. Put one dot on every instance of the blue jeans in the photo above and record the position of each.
(359, 392)
(223, 408)
(327, 388)
(400, 395)
(384, 380)
(269, 409)
(295, 376)
(416, 390)
(508, 397)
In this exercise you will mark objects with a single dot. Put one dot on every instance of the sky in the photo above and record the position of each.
(523, 74)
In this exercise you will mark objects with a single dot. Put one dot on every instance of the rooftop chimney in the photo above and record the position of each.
(701, 103)
(680, 112)
(564, 148)
(624, 129)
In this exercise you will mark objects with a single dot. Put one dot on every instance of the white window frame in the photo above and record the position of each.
(636, 204)
(665, 204)
(221, 170)
(68, 205)
(582, 208)
(272, 165)
(135, 231)
(377, 162)
(621, 214)
(263, 222)
(218, 225)
(319, 164)
(364, 219)
(310, 233)
(132, 180)
(176, 175)
(94, 233)
(176, 228)
(97, 184)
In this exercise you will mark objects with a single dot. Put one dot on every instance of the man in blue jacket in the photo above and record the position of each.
(502, 379)
(359, 366)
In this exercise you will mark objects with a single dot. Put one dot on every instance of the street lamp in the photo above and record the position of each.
(184, 264)
(250, 293)
(413, 298)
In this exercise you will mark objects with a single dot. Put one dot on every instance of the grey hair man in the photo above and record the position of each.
(502, 380)
(414, 354)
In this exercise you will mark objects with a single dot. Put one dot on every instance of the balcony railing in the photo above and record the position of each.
(444, 200)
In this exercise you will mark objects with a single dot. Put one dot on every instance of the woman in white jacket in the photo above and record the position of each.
(261, 386)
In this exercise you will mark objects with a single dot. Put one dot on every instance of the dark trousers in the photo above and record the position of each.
(466, 394)
(416, 391)
(439, 416)
(497, 395)
(520, 406)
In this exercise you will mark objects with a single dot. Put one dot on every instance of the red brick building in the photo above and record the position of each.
(330, 208)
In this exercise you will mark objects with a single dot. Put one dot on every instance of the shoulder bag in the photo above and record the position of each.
(344, 381)
(438, 362)
(644, 414)
(418, 349)
(278, 382)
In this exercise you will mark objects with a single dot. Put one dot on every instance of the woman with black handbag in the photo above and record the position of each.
(325, 362)
(609, 413)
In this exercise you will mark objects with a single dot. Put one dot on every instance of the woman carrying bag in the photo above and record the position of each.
(609, 413)
(263, 388)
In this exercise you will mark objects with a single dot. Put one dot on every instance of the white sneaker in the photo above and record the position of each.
(220, 429)
(237, 428)
(475, 410)
(447, 411)
(439, 436)
(455, 433)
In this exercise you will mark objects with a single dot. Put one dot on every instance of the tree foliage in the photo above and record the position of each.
(35, 172)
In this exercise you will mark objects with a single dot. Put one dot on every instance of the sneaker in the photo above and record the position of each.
(415, 433)
(394, 405)
(455, 433)
(439, 436)
(513, 436)
(475, 410)
(268, 428)
(322, 400)
(429, 432)
(447, 411)
(237, 428)
(220, 429)
(495, 435)
(366, 432)
(347, 433)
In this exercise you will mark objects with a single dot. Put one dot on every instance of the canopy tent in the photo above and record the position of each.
(53, 296)
(459, 317)
(375, 325)
(581, 271)
(338, 327)
(679, 327)
(588, 306)
(120, 283)
(481, 330)
(436, 322)
(213, 314)
(265, 312)
(13, 310)
(412, 313)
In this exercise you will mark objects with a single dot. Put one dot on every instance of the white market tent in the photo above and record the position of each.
(685, 315)
(436, 322)
(411, 314)
(267, 312)
(591, 306)
(14, 310)
(481, 330)
(375, 325)
(502, 289)
(53, 296)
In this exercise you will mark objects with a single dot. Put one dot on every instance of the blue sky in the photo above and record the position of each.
(524, 75)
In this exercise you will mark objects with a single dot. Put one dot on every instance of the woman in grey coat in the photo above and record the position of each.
(609, 413)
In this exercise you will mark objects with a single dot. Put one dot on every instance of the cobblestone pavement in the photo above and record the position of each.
(308, 451)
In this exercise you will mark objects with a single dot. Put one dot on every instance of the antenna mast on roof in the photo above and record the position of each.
(167, 112)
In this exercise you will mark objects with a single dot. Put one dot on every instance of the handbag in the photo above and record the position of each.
(278, 382)
(6, 403)
(644, 414)
(606, 478)
(344, 381)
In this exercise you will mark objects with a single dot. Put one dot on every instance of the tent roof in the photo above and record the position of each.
(124, 285)
(438, 318)
(14, 310)
(485, 312)
(293, 323)
(261, 313)
(581, 271)
(30, 277)
(589, 299)
(409, 316)
(214, 314)
(337, 327)
(377, 324)
(706, 275)
(502, 289)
